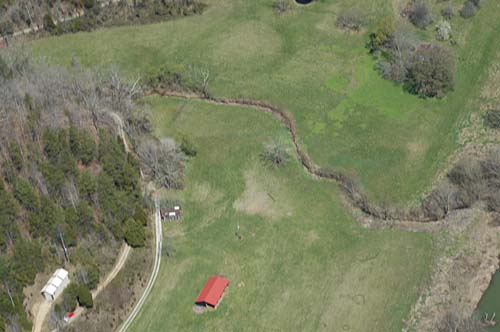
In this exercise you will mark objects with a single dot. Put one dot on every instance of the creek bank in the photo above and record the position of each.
(467, 259)
(489, 305)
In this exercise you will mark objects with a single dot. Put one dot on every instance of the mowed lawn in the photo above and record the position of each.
(302, 264)
(348, 117)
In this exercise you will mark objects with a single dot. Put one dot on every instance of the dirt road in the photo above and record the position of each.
(156, 268)
(45, 306)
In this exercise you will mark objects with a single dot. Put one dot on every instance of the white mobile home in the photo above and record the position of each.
(56, 284)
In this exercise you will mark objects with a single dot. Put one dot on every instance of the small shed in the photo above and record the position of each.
(56, 284)
(174, 213)
(213, 292)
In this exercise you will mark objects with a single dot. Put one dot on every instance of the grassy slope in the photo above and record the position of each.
(315, 269)
(348, 116)
(304, 266)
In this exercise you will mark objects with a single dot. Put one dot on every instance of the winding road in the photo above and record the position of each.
(156, 268)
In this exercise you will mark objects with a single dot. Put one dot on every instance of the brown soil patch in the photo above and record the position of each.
(32, 297)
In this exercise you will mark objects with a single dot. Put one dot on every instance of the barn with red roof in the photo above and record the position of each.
(213, 291)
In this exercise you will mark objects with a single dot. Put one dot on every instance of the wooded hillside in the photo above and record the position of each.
(66, 179)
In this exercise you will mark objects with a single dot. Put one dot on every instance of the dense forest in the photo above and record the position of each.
(69, 189)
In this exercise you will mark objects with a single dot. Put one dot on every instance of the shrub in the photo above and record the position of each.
(82, 145)
(476, 3)
(188, 147)
(468, 10)
(443, 30)
(351, 19)
(275, 153)
(492, 119)
(85, 297)
(168, 249)
(88, 4)
(467, 176)
(420, 14)
(70, 297)
(451, 322)
(392, 70)
(5, 71)
(48, 23)
(6, 28)
(448, 12)
(430, 72)
(16, 155)
(383, 35)
(444, 198)
(281, 6)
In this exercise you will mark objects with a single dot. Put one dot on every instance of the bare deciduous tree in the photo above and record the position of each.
(452, 322)
(281, 6)
(164, 161)
(275, 152)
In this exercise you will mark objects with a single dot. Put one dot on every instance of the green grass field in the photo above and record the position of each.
(347, 115)
(303, 264)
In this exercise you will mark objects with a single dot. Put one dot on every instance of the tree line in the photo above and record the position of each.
(87, 15)
(66, 178)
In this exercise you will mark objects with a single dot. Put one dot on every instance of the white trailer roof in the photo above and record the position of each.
(61, 273)
(55, 281)
(50, 289)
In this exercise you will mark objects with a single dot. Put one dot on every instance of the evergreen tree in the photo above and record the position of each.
(85, 297)
(140, 215)
(82, 145)
(25, 194)
(87, 186)
(135, 234)
(26, 262)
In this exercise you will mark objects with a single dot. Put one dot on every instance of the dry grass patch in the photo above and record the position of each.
(204, 193)
(492, 89)
(245, 42)
(263, 197)
(417, 149)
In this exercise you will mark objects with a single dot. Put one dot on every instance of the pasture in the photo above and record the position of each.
(348, 116)
(303, 262)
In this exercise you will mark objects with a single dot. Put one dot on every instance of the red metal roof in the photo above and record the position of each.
(213, 290)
